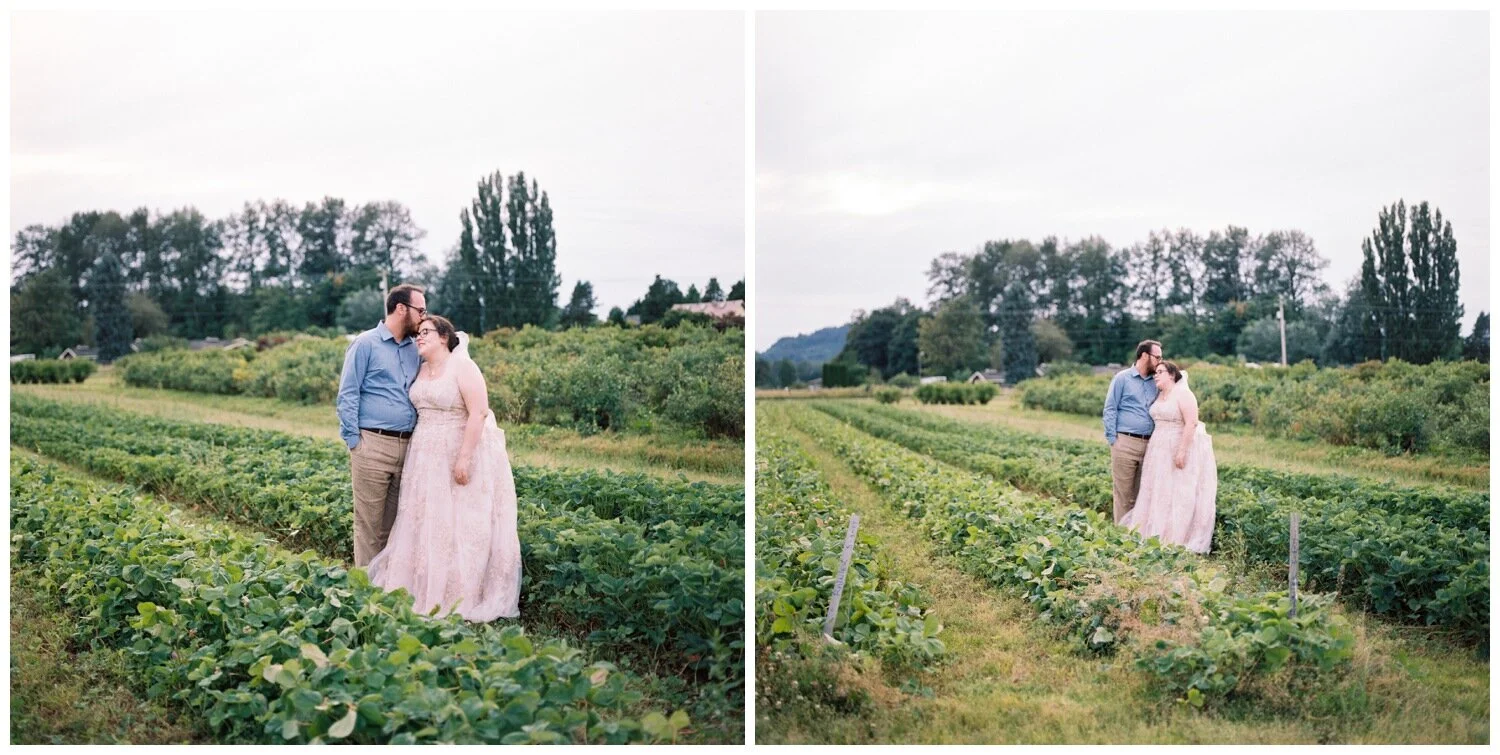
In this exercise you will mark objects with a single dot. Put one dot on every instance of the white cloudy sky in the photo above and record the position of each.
(633, 123)
(883, 140)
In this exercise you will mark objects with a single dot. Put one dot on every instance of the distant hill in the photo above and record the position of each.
(820, 346)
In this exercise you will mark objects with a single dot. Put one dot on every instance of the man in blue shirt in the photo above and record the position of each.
(1128, 423)
(376, 417)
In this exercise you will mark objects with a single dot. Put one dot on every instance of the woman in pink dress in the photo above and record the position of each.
(1179, 477)
(453, 546)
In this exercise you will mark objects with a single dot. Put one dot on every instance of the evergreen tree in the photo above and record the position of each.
(1477, 345)
(580, 310)
(762, 373)
(713, 292)
(111, 316)
(1019, 344)
(737, 291)
(616, 316)
(659, 298)
(786, 373)
(531, 292)
(692, 296)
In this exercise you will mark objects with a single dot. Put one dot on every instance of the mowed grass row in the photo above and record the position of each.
(1415, 556)
(672, 588)
(269, 647)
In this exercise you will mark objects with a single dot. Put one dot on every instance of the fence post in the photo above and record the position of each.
(1292, 566)
(838, 583)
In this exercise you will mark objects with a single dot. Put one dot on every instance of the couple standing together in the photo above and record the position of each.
(1165, 477)
(434, 500)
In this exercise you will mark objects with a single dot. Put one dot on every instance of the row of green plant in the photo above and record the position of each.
(1417, 561)
(270, 647)
(588, 379)
(52, 370)
(1073, 469)
(671, 582)
(799, 541)
(1393, 406)
(957, 393)
(1110, 590)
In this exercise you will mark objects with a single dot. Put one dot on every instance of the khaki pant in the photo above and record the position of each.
(375, 466)
(1125, 456)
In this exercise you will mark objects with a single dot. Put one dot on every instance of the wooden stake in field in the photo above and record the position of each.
(1292, 567)
(838, 582)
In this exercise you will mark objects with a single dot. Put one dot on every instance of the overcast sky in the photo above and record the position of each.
(883, 140)
(632, 123)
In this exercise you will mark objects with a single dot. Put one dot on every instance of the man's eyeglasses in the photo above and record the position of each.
(421, 311)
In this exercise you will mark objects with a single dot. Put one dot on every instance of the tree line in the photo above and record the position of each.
(1013, 304)
(102, 277)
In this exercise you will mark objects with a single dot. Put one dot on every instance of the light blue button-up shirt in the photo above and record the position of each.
(378, 372)
(1127, 407)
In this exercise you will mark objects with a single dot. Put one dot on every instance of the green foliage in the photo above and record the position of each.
(204, 371)
(600, 379)
(580, 310)
(52, 370)
(361, 310)
(305, 370)
(903, 380)
(952, 340)
(43, 314)
(663, 571)
(1418, 555)
(162, 343)
(589, 379)
(274, 648)
(888, 395)
(799, 540)
(957, 393)
(1394, 406)
(843, 374)
(1105, 586)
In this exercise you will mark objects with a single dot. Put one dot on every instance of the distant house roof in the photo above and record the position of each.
(21, 357)
(205, 343)
(633, 319)
(987, 376)
(815, 384)
(934, 379)
(239, 343)
(715, 309)
(79, 352)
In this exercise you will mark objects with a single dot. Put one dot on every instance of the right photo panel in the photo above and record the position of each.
(1122, 378)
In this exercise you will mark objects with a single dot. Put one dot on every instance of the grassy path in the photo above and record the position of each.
(63, 693)
(1009, 680)
(661, 456)
(1238, 445)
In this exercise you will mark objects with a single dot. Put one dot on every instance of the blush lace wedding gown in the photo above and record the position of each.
(1176, 505)
(453, 547)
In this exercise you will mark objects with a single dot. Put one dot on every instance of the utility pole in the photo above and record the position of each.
(1281, 319)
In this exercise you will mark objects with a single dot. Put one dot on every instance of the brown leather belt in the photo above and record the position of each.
(1135, 435)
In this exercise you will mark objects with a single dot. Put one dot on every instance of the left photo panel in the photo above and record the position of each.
(377, 378)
